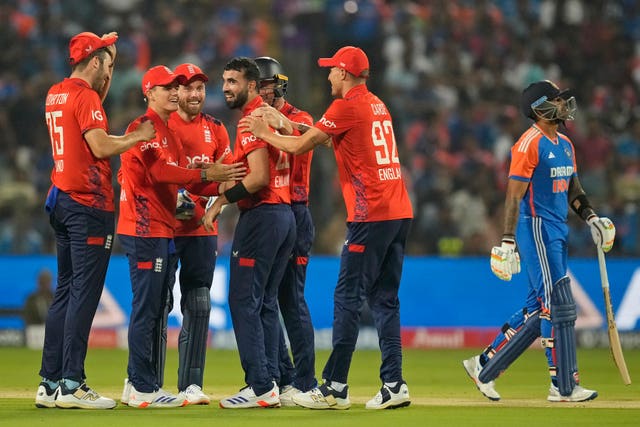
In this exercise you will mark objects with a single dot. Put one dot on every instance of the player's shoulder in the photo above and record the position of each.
(529, 139)
(210, 119)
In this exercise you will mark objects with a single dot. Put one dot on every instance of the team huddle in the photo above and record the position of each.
(179, 170)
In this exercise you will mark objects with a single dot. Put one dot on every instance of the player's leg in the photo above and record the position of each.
(197, 259)
(91, 234)
(159, 352)
(293, 305)
(386, 255)
(277, 257)
(286, 368)
(51, 365)
(247, 281)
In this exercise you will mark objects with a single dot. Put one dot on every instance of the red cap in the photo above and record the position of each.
(191, 72)
(159, 76)
(351, 58)
(84, 44)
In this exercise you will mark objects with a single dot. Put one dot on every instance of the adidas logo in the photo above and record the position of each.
(551, 156)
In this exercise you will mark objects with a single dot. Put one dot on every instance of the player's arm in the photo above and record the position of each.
(602, 229)
(103, 145)
(291, 144)
(515, 192)
(257, 178)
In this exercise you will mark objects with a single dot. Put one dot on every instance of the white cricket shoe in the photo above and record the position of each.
(46, 396)
(156, 399)
(82, 397)
(126, 391)
(194, 395)
(473, 368)
(579, 394)
(286, 395)
(390, 397)
(324, 397)
(246, 398)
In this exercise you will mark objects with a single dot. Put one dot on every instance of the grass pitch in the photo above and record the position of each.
(441, 392)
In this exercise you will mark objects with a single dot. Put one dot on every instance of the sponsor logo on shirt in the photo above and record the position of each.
(328, 123)
(97, 115)
(150, 144)
(199, 158)
(247, 139)
(561, 171)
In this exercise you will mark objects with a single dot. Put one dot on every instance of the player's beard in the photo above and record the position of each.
(239, 100)
(190, 109)
(101, 83)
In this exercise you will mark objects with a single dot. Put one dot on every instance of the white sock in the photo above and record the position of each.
(337, 386)
(391, 385)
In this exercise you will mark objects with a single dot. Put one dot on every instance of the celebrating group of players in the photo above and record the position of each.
(178, 172)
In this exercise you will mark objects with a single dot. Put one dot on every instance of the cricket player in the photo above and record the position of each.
(150, 178)
(283, 117)
(81, 212)
(379, 215)
(543, 184)
(262, 244)
(204, 139)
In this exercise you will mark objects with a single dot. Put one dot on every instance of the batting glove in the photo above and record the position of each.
(505, 261)
(185, 205)
(603, 232)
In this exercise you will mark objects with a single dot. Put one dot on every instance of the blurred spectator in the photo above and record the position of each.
(450, 71)
(37, 304)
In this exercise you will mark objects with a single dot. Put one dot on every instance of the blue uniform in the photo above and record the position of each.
(548, 166)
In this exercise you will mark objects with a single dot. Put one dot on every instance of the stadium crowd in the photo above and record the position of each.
(451, 72)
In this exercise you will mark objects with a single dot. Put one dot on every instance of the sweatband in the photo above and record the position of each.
(237, 192)
(581, 206)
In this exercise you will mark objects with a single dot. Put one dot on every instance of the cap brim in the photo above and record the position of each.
(197, 76)
(326, 62)
(108, 41)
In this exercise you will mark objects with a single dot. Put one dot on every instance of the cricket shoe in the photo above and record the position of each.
(324, 397)
(390, 397)
(473, 368)
(46, 396)
(194, 395)
(286, 395)
(246, 398)
(579, 394)
(82, 397)
(155, 399)
(126, 391)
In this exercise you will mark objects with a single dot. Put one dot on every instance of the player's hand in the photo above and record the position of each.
(603, 232)
(253, 124)
(212, 213)
(185, 206)
(274, 118)
(146, 131)
(505, 261)
(220, 172)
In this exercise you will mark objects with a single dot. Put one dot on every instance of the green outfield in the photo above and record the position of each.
(441, 393)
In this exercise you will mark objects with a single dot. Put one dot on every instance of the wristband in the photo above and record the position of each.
(237, 192)
(203, 175)
(582, 207)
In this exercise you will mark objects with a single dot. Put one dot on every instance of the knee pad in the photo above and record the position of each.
(563, 319)
(192, 342)
(518, 343)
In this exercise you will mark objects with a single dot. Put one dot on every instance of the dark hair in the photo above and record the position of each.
(246, 66)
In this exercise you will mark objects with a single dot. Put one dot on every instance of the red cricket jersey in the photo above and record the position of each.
(300, 164)
(204, 139)
(367, 157)
(277, 191)
(150, 178)
(71, 109)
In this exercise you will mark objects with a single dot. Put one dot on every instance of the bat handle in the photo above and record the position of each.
(604, 278)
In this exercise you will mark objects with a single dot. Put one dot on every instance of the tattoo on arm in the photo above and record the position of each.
(511, 212)
(302, 128)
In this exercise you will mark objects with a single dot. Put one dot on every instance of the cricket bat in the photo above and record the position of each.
(612, 330)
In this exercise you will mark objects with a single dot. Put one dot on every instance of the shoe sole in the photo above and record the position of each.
(260, 404)
(391, 405)
(561, 400)
(64, 405)
(469, 373)
(45, 405)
